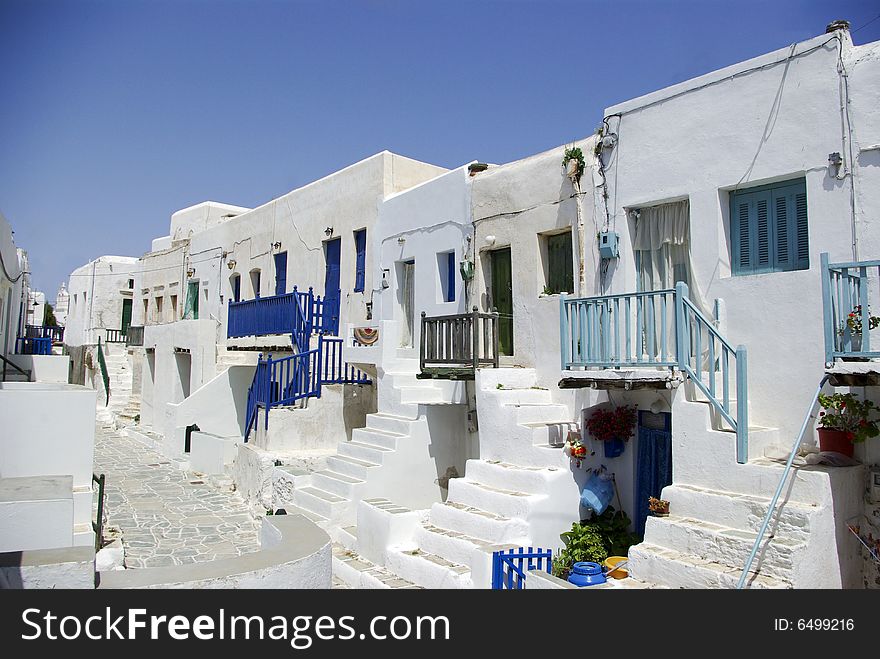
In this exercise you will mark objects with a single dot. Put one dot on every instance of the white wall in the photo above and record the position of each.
(13, 290)
(97, 291)
(37, 443)
(777, 123)
(44, 368)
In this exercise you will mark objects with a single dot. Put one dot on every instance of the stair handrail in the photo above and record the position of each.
(105, 376)
(740, 424)
(6, 363)
(782, 480)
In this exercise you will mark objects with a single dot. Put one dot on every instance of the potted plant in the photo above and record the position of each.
(613, 427)
(574, 163)
(854, 323)
(658, 507)
(845, 420)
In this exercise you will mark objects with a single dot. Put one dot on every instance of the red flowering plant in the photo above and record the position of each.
(854, 320)
(612, 423)
(847, 413)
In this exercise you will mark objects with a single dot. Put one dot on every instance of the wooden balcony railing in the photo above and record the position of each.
(456, 346)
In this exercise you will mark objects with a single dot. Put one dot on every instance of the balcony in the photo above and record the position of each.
(135, 336)
(647, 340)
(454, 347)
(850, 293)
(298, 314)
(26, 345)
(54, 333)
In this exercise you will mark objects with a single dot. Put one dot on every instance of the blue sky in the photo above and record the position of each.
(115, 114)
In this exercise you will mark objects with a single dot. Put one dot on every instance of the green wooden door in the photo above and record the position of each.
(126, 315)
(502, 298)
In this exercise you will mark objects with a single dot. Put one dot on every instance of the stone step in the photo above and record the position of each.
(339, 484)
(529, 413)
(420, 395)
(509, 503)
(740, 511)
(456, 547)
(375, 437)
(667, 567)
(724, 545)
(522, 396)
(426, 569)
(550, 434)
(389, 423)
(478, 523)
(532, 480)
(334, 508)
(519, 378)
(346, 536)
(320, 520)
(343, 464)
(362, 451)
(357, 572)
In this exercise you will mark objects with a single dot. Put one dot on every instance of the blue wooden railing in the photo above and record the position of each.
(845, 291)
(334, 370)
(511, 567)
(284, 381)
(26, 345)
(54, 332)
(298, 314)
(657, 329)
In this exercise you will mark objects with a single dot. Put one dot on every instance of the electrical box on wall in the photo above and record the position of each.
(608, 245)
(874, 485)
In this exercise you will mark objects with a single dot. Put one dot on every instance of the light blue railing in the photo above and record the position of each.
(26, 345)
(659, 329)
(845, 291)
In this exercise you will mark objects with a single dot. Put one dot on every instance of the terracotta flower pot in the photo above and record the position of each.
(839, 441)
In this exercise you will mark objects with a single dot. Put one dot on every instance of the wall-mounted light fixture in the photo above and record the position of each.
(190, 272)
(328, 231)
(835, 162)
(385, 283)
(277, 244)
(490, 240)
(401, 240)
(231, 263)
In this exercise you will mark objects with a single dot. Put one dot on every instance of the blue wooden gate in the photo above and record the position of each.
(281, 273)
(510, 567)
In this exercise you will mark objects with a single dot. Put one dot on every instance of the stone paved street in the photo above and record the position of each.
(166, 516)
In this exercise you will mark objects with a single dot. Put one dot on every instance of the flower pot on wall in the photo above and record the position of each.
(839, 441)
(614, 447)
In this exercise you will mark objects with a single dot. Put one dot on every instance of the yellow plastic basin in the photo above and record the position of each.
(611, 563)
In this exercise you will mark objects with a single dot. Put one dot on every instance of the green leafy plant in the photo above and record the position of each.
(547, 290)
(575, 153)
(854, 320)
(847, 413)
(595, 540)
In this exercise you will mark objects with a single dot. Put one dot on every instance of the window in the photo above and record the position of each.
(191, 308)
(558, 264)
(446, 270)
(131, 283)
(235, 285)
(173, 308)
(255, 282)
(146, 310)
(159, 318)
(768, 228)
(360, 247)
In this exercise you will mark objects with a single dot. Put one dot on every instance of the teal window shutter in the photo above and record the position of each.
(560, 264)
(769, 231)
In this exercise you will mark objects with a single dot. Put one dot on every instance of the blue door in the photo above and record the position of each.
(281, 273)
(654, 467)
(332, 250)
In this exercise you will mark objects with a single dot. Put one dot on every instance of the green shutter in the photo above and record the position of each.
(560, 268)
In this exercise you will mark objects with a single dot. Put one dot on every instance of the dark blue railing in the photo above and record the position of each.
(54, 332)
(26, 345)
(284, 381)
(510, 567)
(333, 369)
(298, 314)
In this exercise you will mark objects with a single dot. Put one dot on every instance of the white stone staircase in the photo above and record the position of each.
(519, 494)
(390, 456)
(717, 507)
(119, 371)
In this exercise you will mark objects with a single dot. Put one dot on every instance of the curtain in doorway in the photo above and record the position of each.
(662, 244)
(408, 304)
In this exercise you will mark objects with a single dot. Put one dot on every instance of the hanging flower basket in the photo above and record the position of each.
(613, 427)
(614, 447)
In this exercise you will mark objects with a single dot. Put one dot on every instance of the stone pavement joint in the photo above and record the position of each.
(164, 515)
